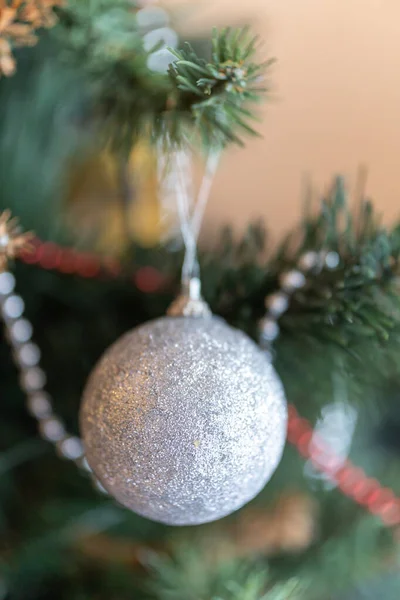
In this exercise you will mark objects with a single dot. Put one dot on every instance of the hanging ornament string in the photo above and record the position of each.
(191, 223)
(191, 213)
(190, 267)
(351, 480)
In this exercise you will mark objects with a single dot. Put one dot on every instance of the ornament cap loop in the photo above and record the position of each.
(192, 288)
(190, 303)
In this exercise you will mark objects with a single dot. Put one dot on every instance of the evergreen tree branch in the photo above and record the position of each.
(196, 98)
(357, 299)
(310, 351)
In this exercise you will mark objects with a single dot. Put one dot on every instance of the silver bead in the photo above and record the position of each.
(83, 464)
(277, 303)
(7, 283)
(292, 280)
(161, 38)
(13, 307)
(4, 240)
(70, 448)
(269, 329)
(184, 420)
(192, 288)
(309, 260)
(33, 379)
(52, 429)
(21, 331)
(39, 405)
(151, 17)
(332, 260)
(99, 487)
(159, 61)
(29, 355)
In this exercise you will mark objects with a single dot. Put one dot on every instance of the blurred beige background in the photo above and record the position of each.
(336, 106)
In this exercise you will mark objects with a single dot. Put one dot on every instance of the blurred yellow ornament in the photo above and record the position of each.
(111, 205)
(144, 219)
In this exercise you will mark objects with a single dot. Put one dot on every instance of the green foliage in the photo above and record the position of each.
(88, 83)
(218, 92)
(47, 508)
(45, 122)
(189, 576)
(359, 298)
(87, 86)
(104, 39)
(354, 301)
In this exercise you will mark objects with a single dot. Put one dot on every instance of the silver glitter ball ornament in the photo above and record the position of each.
(184, 420)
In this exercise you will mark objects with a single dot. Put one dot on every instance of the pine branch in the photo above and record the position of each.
(310, 353)
(196, 98)
(188, 575)
(358, 298)
(350, 552)
(354, 301)
(217, 93)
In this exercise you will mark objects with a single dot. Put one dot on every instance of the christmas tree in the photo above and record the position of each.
(91, 96)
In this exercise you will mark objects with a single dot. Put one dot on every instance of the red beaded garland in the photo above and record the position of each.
(352, 481)
(52, 257)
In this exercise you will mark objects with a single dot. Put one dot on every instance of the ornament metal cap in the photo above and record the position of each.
(190, 303)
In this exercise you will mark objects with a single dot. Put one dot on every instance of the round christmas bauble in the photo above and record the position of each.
(184, 420)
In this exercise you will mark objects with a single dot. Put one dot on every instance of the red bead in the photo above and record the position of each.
(148, 279)
(112, 266)
(67, 262)
(321, 453)
(379, 499)
(293, 434)
(87, 266)
(30, 256)
(363, 488)
(370, 495)
(390, 513)
(326, 462)
(49, 255)
(344, 472)
(348, 477)
(303, 444)
(298, 425)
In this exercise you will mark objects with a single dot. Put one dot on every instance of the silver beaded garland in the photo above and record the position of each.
(158, 37)
(26, 355)
(184, 420)
(291, 281)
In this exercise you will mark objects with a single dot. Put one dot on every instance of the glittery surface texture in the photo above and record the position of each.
(184, 420)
